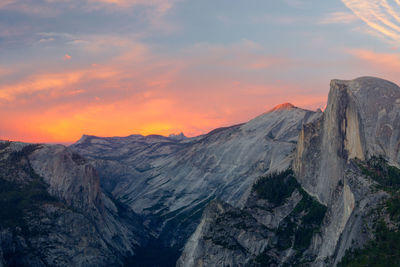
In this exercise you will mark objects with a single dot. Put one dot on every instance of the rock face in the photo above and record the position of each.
(361, 121)
(274, 228)
(55, 213)
(322, 178)
(169, 181)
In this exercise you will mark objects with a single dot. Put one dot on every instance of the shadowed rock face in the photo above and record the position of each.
(59, 215)
(60, 168)
(268, 231)
(361, 120)
(79, 219)
(170, 181)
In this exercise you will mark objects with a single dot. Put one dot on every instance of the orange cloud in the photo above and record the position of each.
(139, 114)
(146, 93)
(67, 57)
(53, 84)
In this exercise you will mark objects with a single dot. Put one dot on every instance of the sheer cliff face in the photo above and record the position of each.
(362, 119)
(60, 168)
(55, 213)
(169, 181)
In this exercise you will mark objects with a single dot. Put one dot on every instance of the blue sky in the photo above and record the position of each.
(119, 67)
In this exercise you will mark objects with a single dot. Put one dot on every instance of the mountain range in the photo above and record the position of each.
(291, 187)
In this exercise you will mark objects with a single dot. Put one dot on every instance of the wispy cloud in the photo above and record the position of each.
(161, 5)
(5, 3)
(379, 64)
(339, 18)
(142, 91)
(387, 62)
(53, 8)
(295, 3)
(380, 15)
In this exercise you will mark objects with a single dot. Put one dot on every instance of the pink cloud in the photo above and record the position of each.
(140, 91)
(385, 65)
(67, 57)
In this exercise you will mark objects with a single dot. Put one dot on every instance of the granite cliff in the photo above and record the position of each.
(290, 187)
(54, 212)
(169, 181)
(346, 161)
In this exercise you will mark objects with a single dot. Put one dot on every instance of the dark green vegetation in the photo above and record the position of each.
(180, 225)
(377, 168)
(297, 229)
(154, 254)
(265, 260)
(303, 222)
(393, 207)
(384, 249)
(276, 187)
(19, 199)
(312, 213)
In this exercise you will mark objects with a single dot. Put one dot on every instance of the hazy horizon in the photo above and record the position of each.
(122, 67)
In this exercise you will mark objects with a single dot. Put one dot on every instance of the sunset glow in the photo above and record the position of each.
(121, 67)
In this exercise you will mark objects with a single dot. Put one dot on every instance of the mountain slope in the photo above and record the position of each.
(170, 182)
(328, 193)
(276, 226)
(335, 164)
(55, 214)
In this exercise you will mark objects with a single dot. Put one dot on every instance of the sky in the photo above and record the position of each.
(122, 67)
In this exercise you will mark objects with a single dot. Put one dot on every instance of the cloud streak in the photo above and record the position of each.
(339, 18)
(386, 63)
(154, 10)
(141, 91)
(380, 15)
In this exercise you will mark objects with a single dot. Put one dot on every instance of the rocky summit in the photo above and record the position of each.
(291, 187)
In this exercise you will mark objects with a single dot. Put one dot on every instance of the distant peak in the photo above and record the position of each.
(283, 106)
(177, 137)
(84, 139)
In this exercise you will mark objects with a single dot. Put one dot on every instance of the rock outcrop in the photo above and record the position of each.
(331, 163)
(327, 178)
(169, 182)
(275, 228)
(55, 213)
(362, 119)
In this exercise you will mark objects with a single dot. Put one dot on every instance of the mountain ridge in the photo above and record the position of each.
(329, 153)
(148, 193)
